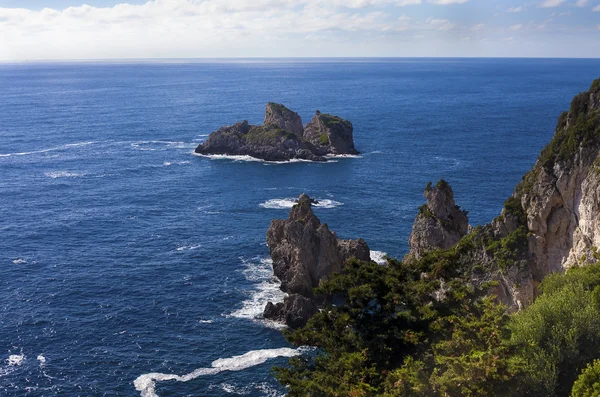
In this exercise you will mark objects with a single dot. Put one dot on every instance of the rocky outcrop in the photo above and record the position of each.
(283, 118)
(282, 137)
(550, 223)
(304, 252)
(560, 196)
(332, 132)
(440, 223)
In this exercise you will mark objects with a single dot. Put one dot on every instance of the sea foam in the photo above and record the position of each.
(63, 147)
(146, 384)
(285, 203)
(240, 158)
(379, 257)
(266, 289)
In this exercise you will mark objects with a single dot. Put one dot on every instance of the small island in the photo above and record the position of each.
(283, 137)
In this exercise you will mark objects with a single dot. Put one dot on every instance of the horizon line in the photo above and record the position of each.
(258, 58)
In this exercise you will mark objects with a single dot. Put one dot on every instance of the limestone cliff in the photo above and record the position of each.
(550, 223)
(305, 251)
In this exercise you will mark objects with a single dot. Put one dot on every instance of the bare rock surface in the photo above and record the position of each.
(304, 252)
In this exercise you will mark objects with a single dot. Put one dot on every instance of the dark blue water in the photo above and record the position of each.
(122, 254)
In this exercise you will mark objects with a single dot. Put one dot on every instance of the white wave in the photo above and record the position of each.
(206, 321)
(42, 360)
(343, 156)
(63, 147)
(285, 203)
(64, 174)
(19, 261)
(379, 257)
(188, 247)
(146, 383)
(161, 145)
(262, 389)
(239, 158)
(169, 163)
(15, 360)
(376, 152)
(266, 289)
(451, 162)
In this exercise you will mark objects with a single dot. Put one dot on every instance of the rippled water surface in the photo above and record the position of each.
(123, 255)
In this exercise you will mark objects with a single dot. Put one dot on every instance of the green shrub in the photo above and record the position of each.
(588, 383)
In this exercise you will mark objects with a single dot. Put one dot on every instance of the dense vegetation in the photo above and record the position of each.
(411, 330)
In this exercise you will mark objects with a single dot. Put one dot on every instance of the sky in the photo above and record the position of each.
(136, 29)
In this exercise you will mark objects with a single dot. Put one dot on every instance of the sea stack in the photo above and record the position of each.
(304, 252)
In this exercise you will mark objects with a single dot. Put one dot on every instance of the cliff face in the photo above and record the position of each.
(560, 195)
(304, 252)
(440, 223)
(551, 222)
(282, 137)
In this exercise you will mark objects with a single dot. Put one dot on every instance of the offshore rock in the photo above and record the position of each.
(331, 132)
(283, 118)
(304, 252)
(282, 137)
(440, 223)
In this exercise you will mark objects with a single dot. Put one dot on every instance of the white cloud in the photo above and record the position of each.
(478, 27)
(596, 9)
(551, 3)
(441, 24)
(582, 3)
(174, 28)
(446, 2)
(515, 9)
(516, 27)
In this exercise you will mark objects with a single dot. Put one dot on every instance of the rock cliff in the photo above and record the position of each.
(305, 251)
(282, 137)
(550, 223)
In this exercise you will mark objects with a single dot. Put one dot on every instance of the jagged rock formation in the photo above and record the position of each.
(305, 251)
(282, 137)
(560, 195)
(332, 132)
(283, 118)
(550, 223)
(440, 223)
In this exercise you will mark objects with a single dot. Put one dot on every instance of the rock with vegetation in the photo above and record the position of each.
(282, 137)
(283, 118)
(304, 252)
(331, 132)
(440, 224)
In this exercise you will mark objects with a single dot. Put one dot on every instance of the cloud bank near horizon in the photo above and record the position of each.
(296, 28)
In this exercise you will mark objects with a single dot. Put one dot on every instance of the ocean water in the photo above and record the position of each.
(130, 267)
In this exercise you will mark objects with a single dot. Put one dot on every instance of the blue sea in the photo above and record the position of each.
(131, 267)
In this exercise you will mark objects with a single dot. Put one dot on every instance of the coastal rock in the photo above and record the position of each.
(283, 118)
(560, 196)
(330, 132)
(267, 142)
(304, 252)
(440, 223)
(550, 223)
(282, 137)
